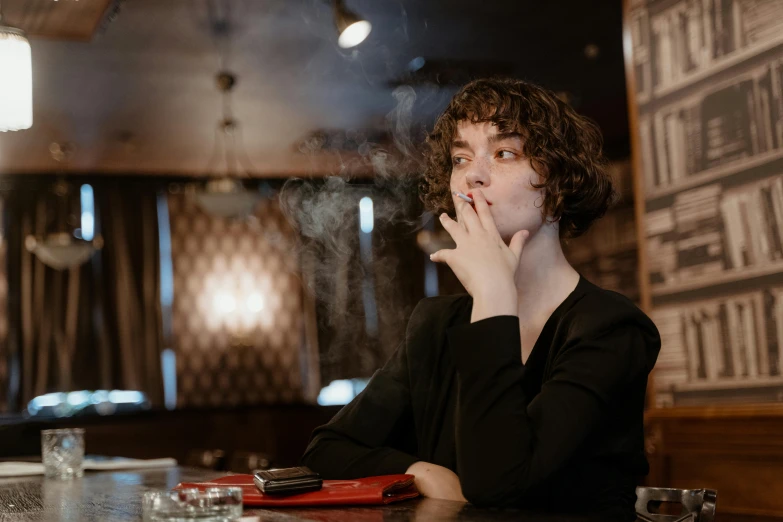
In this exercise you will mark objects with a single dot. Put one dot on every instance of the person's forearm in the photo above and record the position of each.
(495, 443)
(335, 458)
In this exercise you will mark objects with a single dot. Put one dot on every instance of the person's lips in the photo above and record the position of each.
(470, 195)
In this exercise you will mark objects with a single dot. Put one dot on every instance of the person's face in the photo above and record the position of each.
(494, 162)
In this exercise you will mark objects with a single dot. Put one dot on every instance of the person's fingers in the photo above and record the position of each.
(517, 243)
(442, 256)
(484, 215)
(465, 214)
(455, 230)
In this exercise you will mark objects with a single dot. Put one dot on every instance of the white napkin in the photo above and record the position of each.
(123, 463)
(22, 469)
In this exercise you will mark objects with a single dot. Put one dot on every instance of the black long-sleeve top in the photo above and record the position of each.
(562, 432)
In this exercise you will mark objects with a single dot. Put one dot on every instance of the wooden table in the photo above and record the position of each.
(109, 496)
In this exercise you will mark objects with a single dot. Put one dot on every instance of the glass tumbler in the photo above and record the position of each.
(63, 453)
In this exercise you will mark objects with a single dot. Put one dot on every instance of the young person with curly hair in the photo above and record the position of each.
(529, 391)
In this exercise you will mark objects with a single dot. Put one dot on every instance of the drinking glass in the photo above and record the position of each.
(63, 453)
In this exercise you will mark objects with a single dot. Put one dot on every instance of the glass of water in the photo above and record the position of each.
(210, 505)
(63, 453)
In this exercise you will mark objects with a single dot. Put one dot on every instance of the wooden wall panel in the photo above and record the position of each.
(282, 432)
(737, 451)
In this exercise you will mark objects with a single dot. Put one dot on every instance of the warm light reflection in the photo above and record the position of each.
(225, 303)
(255, 303)
(237, 300)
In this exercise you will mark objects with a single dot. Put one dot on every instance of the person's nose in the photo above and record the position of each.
(478, 175)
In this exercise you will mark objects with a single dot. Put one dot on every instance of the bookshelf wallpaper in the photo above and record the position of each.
(709, 92)
(607, 254)
(237, 312)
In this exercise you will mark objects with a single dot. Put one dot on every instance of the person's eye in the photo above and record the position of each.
(506, 154)
(457, 160)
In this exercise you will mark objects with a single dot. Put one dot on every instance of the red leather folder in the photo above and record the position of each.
(364, 491)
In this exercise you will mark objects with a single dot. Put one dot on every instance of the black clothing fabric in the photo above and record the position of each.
(562, 432)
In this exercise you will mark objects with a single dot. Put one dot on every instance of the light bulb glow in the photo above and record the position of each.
(88, 212)
(225, 303)
(16, 81)
(255, 303)
(366, 216)
(354, 34)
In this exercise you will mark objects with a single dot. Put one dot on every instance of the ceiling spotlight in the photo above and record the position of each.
(352, 29)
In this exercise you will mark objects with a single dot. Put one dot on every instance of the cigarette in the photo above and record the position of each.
(463, 196)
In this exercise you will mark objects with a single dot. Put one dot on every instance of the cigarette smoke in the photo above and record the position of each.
(325, 212)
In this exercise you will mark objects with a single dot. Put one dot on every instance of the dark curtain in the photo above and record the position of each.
(95, 326)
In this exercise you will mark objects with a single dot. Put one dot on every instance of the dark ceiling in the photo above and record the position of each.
(141, 97)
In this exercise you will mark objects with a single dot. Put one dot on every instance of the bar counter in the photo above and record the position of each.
(116, 496)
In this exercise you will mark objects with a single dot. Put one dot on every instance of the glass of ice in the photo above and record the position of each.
(63, 453)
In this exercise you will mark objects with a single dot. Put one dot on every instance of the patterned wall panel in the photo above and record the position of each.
(237, 318)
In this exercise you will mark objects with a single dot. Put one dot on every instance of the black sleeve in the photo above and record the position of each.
(369, 436)
(507, 444)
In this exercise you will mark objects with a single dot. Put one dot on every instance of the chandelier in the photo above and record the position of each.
(60, 249)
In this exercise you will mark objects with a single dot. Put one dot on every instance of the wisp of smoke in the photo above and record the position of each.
(325, 212)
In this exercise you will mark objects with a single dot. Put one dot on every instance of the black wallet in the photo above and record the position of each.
(287, 481)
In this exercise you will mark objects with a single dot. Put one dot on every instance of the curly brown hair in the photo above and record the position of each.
(564, 148)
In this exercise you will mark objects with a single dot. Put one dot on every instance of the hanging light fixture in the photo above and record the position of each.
(16, 79)
(225, 195)
(228, 198)
(59, 249)
(351, 28)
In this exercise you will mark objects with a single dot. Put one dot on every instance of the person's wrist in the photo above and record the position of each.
(491, 302)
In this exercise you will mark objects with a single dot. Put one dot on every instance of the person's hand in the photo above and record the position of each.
(435, 481)
(482, 261)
